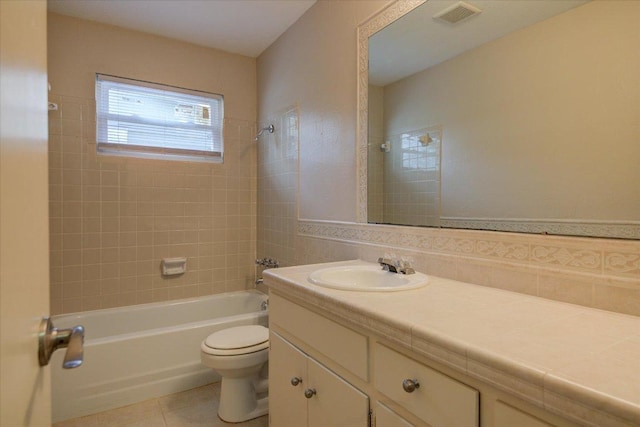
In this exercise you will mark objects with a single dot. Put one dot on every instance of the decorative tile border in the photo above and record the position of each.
(618, 258)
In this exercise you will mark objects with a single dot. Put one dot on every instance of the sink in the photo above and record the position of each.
(368, 278)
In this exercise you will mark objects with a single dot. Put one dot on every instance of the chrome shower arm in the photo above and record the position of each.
(269, 128)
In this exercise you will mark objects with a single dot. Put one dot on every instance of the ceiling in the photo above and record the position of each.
(246, 27)
(426, 42)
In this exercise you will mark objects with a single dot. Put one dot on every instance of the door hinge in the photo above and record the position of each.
(370, 418)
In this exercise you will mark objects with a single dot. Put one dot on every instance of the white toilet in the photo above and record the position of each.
(239, 354)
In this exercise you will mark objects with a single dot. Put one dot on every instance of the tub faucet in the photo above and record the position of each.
(264, 305)
(268, 262)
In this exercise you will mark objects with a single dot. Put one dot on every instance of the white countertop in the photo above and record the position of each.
(578, 362)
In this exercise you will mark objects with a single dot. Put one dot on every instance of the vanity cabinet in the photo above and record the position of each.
(305, 393)
(348, 372)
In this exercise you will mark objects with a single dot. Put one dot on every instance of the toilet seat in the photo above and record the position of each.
(237, 340)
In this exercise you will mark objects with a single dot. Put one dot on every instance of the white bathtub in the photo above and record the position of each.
(144, 351)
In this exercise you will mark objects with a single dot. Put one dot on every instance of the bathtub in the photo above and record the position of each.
(144, 351)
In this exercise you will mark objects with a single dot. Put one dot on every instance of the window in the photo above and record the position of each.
(144, 119)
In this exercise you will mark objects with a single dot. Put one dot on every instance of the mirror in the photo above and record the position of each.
(523, 117)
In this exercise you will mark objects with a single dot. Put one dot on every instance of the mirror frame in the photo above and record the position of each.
(629, 230)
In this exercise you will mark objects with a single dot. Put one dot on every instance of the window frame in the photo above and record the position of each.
(106, 147)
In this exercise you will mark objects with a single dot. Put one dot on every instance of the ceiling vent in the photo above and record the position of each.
(457, 13)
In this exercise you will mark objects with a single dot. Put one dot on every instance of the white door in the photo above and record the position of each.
(336, 402)
(24, 230)
(287, 366)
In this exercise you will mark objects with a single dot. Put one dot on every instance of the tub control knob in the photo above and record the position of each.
(295, 381)
(309, 393)
(410, 385)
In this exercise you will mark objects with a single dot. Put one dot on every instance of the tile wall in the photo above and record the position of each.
(599, 273)
(112, 219)
(278, 188)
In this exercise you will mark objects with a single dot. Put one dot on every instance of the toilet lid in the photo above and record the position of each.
(238, 337)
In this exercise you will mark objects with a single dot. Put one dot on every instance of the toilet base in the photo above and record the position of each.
(262, 408)
(239, 399)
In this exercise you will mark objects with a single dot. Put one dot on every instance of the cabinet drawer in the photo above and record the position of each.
(342, 345)
(439, 400)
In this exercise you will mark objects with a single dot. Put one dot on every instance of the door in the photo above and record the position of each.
(287, 380)
(336, 402)
(24, 231)
(292, 374)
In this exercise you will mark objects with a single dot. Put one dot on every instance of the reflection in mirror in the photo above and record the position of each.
(523, 117)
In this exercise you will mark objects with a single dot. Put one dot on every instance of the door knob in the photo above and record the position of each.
(309, 393)
(51, 338)
(295, 381)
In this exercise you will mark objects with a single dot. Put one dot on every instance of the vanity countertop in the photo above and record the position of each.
(578, 362)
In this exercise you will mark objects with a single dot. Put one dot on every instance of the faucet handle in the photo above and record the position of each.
(388, 264)
(405, 265)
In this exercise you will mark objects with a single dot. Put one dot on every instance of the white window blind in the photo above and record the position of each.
(153, 120)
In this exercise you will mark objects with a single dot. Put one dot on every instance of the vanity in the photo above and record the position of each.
(445, 354)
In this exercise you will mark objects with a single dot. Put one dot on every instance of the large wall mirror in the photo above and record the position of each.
(502, 115)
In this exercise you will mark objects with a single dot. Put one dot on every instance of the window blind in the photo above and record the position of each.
(148, 119)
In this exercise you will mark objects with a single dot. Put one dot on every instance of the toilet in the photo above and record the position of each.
(239, 355)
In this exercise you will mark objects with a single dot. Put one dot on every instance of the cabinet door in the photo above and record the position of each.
(287, 404)
(385, 417)
(336, 402)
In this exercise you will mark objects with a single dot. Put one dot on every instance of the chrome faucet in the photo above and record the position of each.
(401, 266)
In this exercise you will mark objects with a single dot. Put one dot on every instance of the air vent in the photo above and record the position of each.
(457, 13)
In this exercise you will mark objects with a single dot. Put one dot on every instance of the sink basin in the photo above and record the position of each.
(369, 278)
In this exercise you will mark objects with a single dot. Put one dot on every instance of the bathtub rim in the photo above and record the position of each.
(175, 302)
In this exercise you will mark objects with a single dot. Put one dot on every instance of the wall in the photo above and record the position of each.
(314, 64)
(112, 219)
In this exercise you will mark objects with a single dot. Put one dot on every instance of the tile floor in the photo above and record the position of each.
(192, 408)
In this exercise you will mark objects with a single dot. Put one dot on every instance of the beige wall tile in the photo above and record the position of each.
(118, 216)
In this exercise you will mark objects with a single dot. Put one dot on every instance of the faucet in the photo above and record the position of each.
(391, 265)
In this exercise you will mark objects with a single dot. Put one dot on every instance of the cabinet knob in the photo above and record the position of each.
(295, 381)
(309, 393)
(410, 385)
